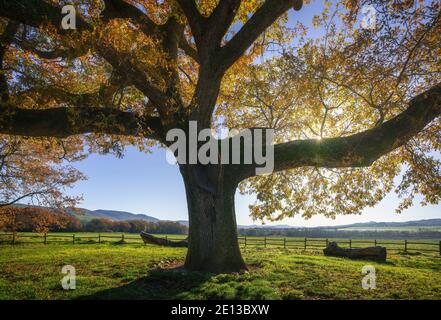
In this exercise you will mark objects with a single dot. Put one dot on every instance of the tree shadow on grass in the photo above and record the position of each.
(159, 284)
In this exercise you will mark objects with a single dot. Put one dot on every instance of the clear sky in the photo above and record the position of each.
(146, 183)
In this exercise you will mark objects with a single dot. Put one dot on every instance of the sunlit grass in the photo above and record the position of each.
(130, 271)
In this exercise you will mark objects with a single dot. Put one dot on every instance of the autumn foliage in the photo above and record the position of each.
(32, 219)
(38, 171)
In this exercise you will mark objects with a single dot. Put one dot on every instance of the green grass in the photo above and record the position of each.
(272, 242)
(135, 271)
(32, 237)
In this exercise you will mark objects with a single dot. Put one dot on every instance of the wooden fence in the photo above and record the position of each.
(23, 238)
(313, 243)
(244, 242)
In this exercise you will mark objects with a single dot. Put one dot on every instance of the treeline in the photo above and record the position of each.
(130, 226)
(29, 219)
(333, 233)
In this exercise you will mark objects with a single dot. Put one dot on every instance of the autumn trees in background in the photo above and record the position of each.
(43, 220)
(133, 226)
(32, 219)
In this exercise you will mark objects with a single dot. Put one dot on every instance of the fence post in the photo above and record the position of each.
(284, 243)
(327, 241)
(45, 238)
(73, 239)
(165, 237)
(122, 237)
(13, 237)
(305, 243)
(350, 244)
(99, 237)
(405, 245)
(264, 242)
(375, 242)
(245, 241)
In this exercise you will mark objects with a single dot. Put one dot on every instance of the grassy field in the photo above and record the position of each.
(250, 242)
(136, 271)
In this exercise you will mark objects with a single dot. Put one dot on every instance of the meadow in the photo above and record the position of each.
(275, 242)
(113, 270)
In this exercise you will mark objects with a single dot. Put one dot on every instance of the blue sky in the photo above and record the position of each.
(146, 183)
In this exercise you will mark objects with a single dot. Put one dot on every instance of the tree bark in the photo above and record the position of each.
(212, 242)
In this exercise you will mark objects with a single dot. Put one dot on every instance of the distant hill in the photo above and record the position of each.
(373, 224)
(114, 215)
(85, 215)
(278, 226)
(419, 229)
(359, 225)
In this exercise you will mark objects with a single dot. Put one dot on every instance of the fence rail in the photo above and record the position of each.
(245, 242)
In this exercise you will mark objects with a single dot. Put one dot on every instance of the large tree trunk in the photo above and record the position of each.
(212, 240)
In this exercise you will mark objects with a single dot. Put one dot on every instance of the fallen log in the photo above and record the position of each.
(150, 239)
(371, 253)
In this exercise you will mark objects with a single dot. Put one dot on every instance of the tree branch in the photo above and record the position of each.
(63, 122)
(188, 49)
(63, 53)
(194, 17)
(209, 31)
(263, 18)
(31, 194)
(36, 13)
(121, 9)
(125, 69)
(360, 149)
(5, 40)
(214, 60)
(221, 18)
(363, 148)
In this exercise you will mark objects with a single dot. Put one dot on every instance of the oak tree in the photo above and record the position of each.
(351, 108)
